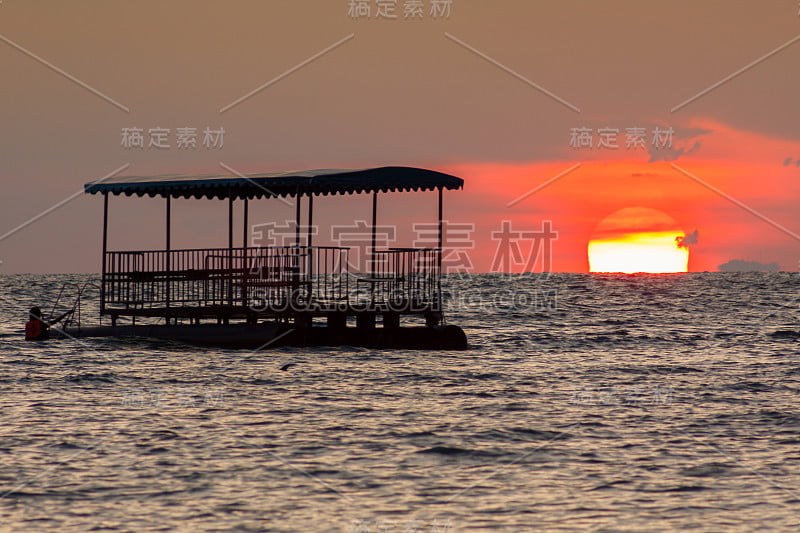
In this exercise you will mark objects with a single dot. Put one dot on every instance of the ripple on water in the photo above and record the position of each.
(224, 439)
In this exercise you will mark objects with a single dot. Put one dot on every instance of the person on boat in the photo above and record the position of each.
(38, 329)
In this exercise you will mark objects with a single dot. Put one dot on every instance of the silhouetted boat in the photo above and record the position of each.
(255, 296)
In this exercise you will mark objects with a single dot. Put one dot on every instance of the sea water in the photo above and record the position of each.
(585, 402)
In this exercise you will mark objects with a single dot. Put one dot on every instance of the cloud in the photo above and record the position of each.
(687, 240)
(670, 154)
(682, 137)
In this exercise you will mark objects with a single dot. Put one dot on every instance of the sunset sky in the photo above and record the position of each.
(492, 93)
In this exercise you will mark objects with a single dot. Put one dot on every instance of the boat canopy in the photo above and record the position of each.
(267, 185)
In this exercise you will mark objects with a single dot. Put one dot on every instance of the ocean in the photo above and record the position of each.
(585, 403)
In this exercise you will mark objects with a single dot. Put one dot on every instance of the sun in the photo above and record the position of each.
(654, 253)
(637, 239)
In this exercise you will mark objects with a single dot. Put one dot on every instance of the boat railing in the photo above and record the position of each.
(267, 280)
(402, 276)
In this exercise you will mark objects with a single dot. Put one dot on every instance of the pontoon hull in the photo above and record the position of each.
(267, 335)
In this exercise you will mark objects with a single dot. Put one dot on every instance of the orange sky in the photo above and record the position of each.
(466, 94)
(745, 166)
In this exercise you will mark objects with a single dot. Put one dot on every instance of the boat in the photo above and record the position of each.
(295, 294)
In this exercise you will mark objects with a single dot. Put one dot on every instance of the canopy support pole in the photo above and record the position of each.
(245, 224)
(230, 223)
(441, 223)
(105, 249)
(169, 257)
(439, 253)
(245, 267)
(297, 219)
(296, 274)
(309, 236)
(230, 251)
(310, 218)
(374, 224)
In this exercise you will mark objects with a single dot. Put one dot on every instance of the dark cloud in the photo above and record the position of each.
(687, 240)
(670, 154)
(681, 139)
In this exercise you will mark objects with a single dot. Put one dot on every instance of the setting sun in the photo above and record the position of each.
(638, 239)
(655, 253)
